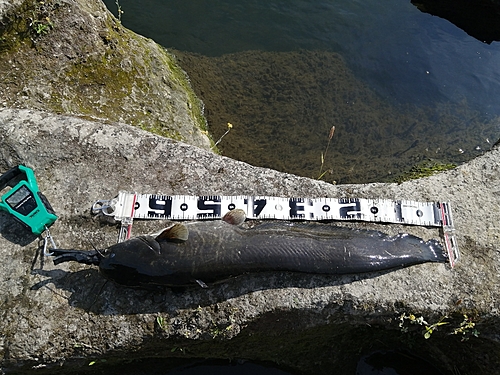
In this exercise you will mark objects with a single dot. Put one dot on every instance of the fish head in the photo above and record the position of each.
(134, 261)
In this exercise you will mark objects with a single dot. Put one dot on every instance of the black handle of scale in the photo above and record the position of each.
(11, 177)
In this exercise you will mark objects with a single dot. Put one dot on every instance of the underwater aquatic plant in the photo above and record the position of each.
(323, 155)
(229, 127)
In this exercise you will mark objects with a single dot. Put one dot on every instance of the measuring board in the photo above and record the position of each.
(128, 206)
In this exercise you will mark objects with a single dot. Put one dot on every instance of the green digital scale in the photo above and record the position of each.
(24, 200)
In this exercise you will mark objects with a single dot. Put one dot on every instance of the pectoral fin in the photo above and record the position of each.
(176, 233)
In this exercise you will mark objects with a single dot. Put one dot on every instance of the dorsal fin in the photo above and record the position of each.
(235, 217)
(176, 233)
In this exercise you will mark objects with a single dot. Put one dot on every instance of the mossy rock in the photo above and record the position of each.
(74, 57)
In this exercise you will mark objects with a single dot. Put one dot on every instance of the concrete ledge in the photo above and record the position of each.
(61, 318)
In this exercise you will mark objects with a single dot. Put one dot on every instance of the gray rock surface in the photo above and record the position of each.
(73, 57)
(61, 318)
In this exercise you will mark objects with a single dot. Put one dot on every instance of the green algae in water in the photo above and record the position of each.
(283, 105)
(424, 169)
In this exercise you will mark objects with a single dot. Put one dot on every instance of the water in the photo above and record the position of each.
(394, 362)
(223, 368)
(401, 87)
(380, 362)
(391, 44)
(385, 362)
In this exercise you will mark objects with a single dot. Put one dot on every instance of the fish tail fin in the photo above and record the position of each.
(91, 257)
(436, 251)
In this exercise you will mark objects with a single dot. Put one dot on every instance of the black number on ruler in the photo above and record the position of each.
(398, 211)
(214, 208)
(351, 211)
(437, 213)
(295, 207)
(258, 206)
(160, 203)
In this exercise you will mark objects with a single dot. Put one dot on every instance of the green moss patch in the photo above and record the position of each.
(424, 169)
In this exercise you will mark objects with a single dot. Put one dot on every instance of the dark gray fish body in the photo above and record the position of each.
(216, 251)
